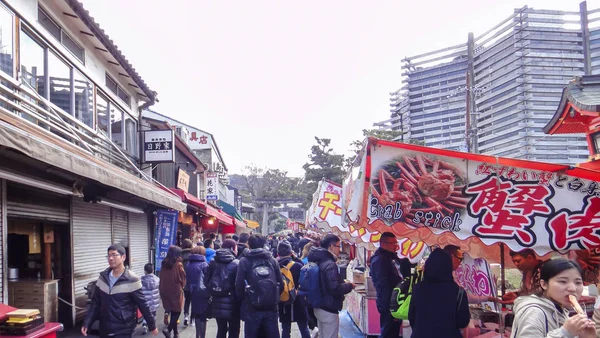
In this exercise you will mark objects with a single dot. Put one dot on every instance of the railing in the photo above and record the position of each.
(22, 100)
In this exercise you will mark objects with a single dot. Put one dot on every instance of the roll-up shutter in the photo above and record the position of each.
(36, 204)
(91, 238)
(3, 230)
(139, 238)
(120, 225)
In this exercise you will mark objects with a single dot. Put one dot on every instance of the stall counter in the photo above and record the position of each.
(363, 311)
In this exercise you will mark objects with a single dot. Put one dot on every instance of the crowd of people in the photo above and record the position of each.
(249, 278)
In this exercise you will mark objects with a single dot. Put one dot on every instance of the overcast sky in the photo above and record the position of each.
(265, 77)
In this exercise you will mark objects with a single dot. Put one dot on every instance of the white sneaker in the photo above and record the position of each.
(192, 322)
(314, 332)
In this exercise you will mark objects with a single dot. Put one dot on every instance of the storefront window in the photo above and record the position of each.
(116, 128)
(32, 63)
(6, 41)
(102, 111)
(60, 82)
(84, 99)
(130, 135)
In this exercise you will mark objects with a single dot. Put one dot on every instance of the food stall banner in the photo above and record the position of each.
(474, 275)
(166, 224)
(446, 197)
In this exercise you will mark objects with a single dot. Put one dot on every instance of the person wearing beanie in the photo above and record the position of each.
(295, 312)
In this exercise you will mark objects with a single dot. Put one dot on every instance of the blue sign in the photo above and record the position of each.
(165, 235)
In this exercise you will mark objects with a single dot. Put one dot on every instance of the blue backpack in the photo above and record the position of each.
(309, 290)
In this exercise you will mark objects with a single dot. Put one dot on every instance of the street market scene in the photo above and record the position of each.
(354, 191)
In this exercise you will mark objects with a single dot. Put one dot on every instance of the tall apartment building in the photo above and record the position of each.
(494, 93)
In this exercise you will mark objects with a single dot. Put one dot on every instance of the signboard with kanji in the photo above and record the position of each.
(445, 197)
(166, 226)
(158, 146)
(212, 192)
(183, 180)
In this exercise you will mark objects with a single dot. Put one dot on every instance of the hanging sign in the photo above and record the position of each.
(166, 232)
(446, 197)
(183, 180)
(212, 192)
(158, 146)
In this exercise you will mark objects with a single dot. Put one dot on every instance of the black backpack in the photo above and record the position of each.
(262, 291)
(219, 284)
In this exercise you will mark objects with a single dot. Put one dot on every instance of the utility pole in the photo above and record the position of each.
(472, 142)
(265, 224)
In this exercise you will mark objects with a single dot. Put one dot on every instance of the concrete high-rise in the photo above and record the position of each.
(495, 92)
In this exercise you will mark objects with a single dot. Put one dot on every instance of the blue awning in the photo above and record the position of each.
(230, 209)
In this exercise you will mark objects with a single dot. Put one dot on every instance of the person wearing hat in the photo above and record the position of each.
(457, 256)
(295, 312)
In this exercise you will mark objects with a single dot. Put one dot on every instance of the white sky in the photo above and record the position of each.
(265, 77)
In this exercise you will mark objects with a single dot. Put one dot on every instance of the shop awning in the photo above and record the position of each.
(218, 214)
(231, 210)
(16, 134)
(252, 224)
(189, 198)
(239, 223)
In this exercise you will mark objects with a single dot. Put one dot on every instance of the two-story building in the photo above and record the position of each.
(70, 177)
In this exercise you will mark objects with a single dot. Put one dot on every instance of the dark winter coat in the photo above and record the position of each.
(227, 307)
(434, 308)
(301, 243)
(294, 242)
(185, 256)
(385, 272)
(172, 282)
(242, 250)
(195, 272)
(244, 272)
(331, 280)
(299, 312)
(150, 289)
(116, 308)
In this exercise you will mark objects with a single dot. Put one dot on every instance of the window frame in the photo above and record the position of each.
(119, 89)
(14, 41)
(61, 32)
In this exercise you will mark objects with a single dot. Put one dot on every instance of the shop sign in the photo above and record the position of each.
(212, 188)
(158, 146)
(183, 180)
(166, 233)
(475, 277)
(445, 197)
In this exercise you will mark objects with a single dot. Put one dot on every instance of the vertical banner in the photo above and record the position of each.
(212, 193)
(166, 232)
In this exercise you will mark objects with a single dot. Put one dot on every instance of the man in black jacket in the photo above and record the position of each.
(255, 271)
(333, 287)
(242, 249)
(117, 296)
(385, 272)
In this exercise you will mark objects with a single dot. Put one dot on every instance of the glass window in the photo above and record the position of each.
(111, 84)
(6, 41)
(116, 128)
(123, 96)
(32, 63)
(72, 46)
(102, 112)
(130, 135)
(47, 23)
(60, 82)
(84, 99)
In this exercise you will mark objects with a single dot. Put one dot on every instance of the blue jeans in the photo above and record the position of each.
(264, 322)
(286, 329)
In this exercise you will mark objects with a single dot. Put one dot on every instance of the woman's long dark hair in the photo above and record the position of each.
(173, 255)
(554, 267)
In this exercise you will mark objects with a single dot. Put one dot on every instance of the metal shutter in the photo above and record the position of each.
(139, 247)
(120, 231)
(4, 230)
(46, 206)
(91, 238)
